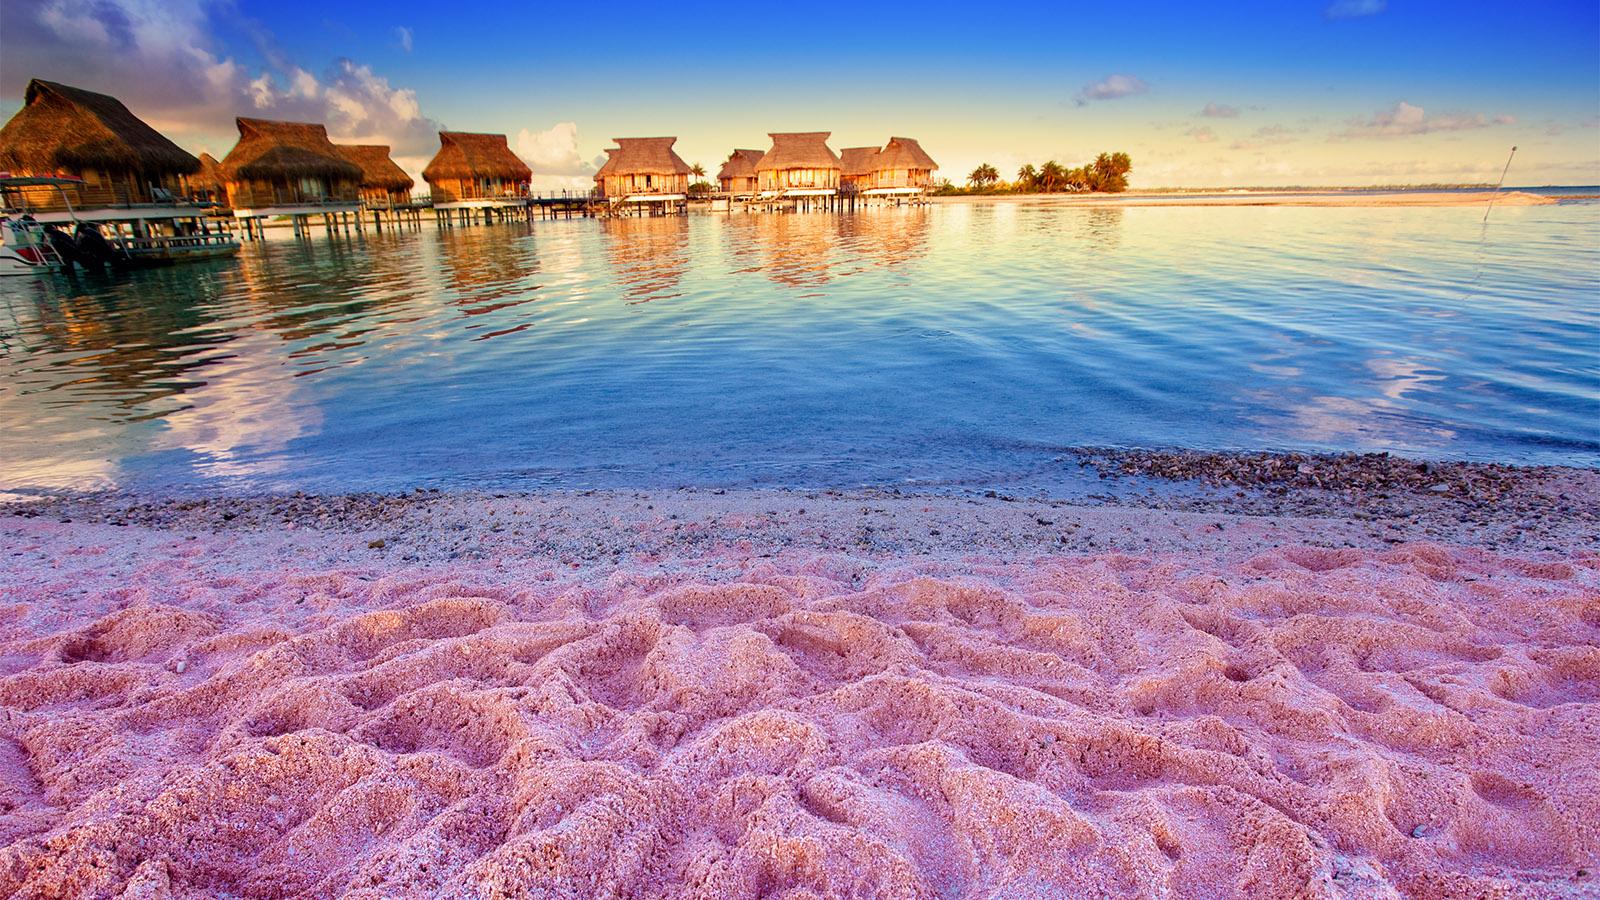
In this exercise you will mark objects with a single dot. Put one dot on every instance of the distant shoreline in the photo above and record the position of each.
(1233, 197)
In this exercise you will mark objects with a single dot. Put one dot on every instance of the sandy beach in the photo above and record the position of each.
(1252, 687)
(1267, 198)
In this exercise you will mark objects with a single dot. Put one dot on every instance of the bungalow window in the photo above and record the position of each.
(311, 188)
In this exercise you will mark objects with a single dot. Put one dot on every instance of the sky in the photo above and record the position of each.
(1271, 93)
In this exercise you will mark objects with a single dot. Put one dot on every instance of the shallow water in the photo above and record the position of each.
(951, 345)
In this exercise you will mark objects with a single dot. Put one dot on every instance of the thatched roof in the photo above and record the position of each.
(463, 154)
(377, 169)
(856, 161)
(209, 178)
(643, 156)
(269, 150)
(741, 164)
(799, 150)
(61, 127)
(904, 153)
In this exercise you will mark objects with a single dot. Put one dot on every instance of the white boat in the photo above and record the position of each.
(24, 250)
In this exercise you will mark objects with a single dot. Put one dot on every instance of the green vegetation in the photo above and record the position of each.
(1108, 173)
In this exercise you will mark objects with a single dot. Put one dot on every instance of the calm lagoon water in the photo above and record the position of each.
(951, 345)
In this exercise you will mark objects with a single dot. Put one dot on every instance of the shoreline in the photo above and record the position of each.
(1353, 198)
(1381, 499)
(1299, 676)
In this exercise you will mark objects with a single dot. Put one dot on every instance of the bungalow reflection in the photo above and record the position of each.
(648, 255)
(489, 269)
(887, 236)
(792, 250)
(324, 295)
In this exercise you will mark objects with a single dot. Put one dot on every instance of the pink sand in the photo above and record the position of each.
(1299, 723)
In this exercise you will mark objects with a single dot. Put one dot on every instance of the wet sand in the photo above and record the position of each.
(1267, 198)
(1255, 687)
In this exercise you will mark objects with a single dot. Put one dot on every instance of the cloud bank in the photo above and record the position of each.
(554, 157)
(1406, 120)
(1354, 9)
(1111, 87)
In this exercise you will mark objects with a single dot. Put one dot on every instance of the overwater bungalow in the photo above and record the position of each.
(476, 171)
(68, 132)
(208, 185)
(799, 164)
(738, 174)
(902, 167)
(856, 167)
(288, 168)
(384, 185)
(643, 170)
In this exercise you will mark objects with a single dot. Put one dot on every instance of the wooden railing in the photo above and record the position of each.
(184, 240)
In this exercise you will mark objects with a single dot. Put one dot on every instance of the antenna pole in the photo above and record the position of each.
(1498, 184)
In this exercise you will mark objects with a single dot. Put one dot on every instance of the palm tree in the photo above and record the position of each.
(698, 171)
(1109, 172)
(1028, 177)
(1052, 177)
(983, 176)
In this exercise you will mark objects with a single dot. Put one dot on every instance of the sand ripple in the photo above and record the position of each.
(1311, 722)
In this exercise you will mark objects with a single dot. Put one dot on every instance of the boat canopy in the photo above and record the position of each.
(7, 181)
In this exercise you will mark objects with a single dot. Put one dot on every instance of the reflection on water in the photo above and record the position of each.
(648, 255)
(962, 343)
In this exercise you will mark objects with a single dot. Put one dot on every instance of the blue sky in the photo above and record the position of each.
(1346, 92)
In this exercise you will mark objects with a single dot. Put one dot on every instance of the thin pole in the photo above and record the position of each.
(1502, 181)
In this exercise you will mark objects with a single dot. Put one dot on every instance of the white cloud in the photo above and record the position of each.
(1406, 120)
(1220, 111)
(403, 37)
(1355, 9)
(1111, 87)
(161, 59)
(553, 155)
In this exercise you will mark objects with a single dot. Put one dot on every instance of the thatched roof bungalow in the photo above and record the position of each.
(738, 174)
(902, 164)
(71, 132)
(856, 165)
(471, 167)
(383, 184)
(208, 183)
(277, 164)
(799, 162)
(642, 166)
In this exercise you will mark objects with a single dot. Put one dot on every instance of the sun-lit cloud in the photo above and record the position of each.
(1219, 111)
(1266, 136)
(554, 156)
(1202, 135)
(1406, 120)
(1111, 87)
(1354, 9)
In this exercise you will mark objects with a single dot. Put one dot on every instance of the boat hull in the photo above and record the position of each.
(150, 257)
(11, 263)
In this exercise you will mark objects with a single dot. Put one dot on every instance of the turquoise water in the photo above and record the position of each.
(952, 345)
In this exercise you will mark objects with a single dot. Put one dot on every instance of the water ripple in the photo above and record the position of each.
(954, 344)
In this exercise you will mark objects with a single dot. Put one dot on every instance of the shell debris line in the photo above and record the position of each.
(1297, 722)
